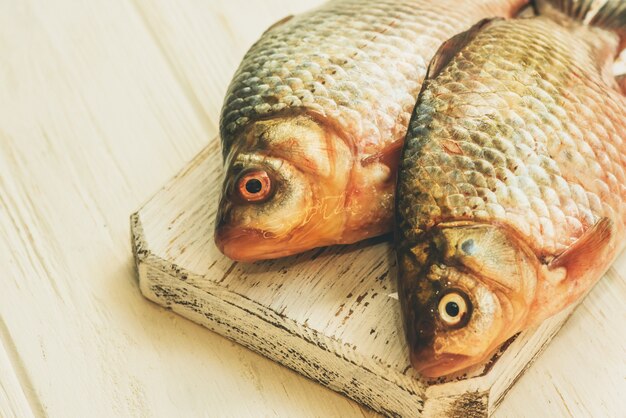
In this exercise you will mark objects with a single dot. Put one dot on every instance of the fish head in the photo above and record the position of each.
(284, 189)
(464, 289)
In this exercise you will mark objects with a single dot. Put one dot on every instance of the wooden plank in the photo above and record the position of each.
(92, 120)
(14, 401)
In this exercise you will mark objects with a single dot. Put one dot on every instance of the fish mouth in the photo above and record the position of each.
(244, 244)
(430, 364)
(249, 245)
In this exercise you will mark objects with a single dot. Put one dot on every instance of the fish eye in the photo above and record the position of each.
(454, 309)
(254, 186)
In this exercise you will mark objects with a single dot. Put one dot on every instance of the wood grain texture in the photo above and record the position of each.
(102, 103)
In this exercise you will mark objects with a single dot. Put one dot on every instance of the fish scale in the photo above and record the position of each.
(364, 77)
(318, 112)
(543, 176)
(511, 199)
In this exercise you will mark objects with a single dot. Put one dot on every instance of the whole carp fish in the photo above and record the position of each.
(511, 199)
(314, 120)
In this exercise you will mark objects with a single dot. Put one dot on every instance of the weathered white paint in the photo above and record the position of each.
(101, 103)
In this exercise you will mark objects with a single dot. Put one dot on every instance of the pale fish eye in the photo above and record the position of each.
(453, 309)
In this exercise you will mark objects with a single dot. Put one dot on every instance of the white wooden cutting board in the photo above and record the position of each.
(329, 314)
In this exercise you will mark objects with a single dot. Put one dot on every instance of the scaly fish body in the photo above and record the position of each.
(511, 189)
(316, 115)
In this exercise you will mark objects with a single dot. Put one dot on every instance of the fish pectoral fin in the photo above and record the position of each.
(587, 252)
(453, 46)
(278, 23)
(573, 272)
(621, 82)
(390, 155)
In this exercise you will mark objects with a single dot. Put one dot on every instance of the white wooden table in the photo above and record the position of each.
(100, 103)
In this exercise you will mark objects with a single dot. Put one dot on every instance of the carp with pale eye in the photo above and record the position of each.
(462, 289)
(465, 288)
(520, 218)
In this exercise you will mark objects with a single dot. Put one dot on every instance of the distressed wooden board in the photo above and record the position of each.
(327, 313)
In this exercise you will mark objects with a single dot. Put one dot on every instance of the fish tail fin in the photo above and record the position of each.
(606, 14)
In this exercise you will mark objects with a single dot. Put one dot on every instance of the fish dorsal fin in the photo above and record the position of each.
(587, 250)
(279, 23)
(452, 46)
(389, 155)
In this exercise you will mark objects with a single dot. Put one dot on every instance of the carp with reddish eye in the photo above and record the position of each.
(254, 186)
(284, 190)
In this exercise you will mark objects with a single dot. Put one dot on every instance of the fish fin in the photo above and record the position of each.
(390, 155)
(576, 9)
(621, 82)
(452, 46)
(278, 23)
(586, 251)
(607, 14)
(573, 272)
(526, 12)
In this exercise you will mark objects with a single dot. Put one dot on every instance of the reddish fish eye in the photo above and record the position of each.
(254, 186)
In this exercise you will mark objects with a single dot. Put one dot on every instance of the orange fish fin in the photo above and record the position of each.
(586, 251)
(573, 272)
(278, 23)
(390, 155)
(452, 46)
(621, 82)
